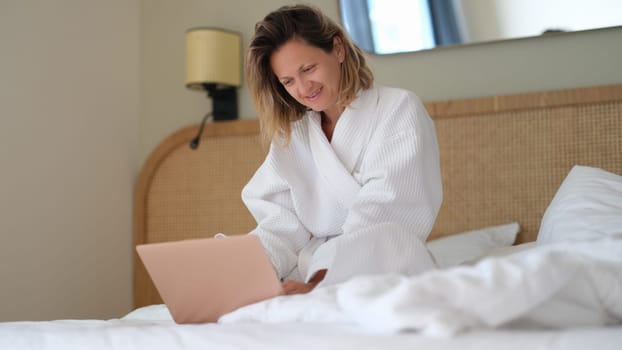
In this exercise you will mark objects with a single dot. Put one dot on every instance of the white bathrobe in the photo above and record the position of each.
(361, 204)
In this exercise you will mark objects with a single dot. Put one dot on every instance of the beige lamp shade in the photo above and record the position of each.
(213, 56)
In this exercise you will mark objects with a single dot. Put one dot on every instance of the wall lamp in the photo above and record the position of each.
(214, 65)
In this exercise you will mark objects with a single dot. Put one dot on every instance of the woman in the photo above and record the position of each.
(351, 184)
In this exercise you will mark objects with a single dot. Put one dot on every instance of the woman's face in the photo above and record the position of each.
(310, 75)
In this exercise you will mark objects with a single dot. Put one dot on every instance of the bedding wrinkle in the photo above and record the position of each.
(555, 286)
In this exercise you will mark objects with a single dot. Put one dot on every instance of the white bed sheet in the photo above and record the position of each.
(484, 306)
(147, 334)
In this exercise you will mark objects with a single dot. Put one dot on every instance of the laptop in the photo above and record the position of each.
(201, 279)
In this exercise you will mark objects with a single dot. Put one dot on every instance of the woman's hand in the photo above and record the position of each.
(291, 287)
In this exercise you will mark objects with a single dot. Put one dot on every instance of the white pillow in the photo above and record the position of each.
(459, 248)
(587, 205)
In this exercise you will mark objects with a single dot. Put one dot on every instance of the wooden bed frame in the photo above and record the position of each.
(502, 160)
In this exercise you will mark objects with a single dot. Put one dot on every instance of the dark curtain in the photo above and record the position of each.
(444, 23)
(355, 16)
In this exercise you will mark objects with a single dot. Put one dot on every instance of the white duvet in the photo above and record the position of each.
(564, 285)
(561, 285)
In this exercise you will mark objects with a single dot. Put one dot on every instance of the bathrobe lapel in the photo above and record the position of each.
(353, 130)
(329, 166)
(336, 162)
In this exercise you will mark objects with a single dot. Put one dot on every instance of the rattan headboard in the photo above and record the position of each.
(502, 159)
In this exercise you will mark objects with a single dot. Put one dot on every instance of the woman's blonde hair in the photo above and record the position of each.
(275, 107)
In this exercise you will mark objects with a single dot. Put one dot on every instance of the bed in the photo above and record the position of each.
(521, 174)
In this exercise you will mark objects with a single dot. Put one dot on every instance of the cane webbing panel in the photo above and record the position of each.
(197, 193)
(503, 167)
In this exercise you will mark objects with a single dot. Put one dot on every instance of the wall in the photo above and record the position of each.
(68, 146)
(498, 68)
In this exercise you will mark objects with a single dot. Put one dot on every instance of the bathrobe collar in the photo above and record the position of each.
(336, 160)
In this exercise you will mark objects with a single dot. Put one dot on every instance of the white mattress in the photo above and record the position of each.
(141, 334)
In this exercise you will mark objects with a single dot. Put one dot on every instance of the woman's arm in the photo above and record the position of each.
(268, 198)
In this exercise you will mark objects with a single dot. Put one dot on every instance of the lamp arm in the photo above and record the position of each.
(194, 144)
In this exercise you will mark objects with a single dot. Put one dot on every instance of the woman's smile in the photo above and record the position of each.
(314, 95)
